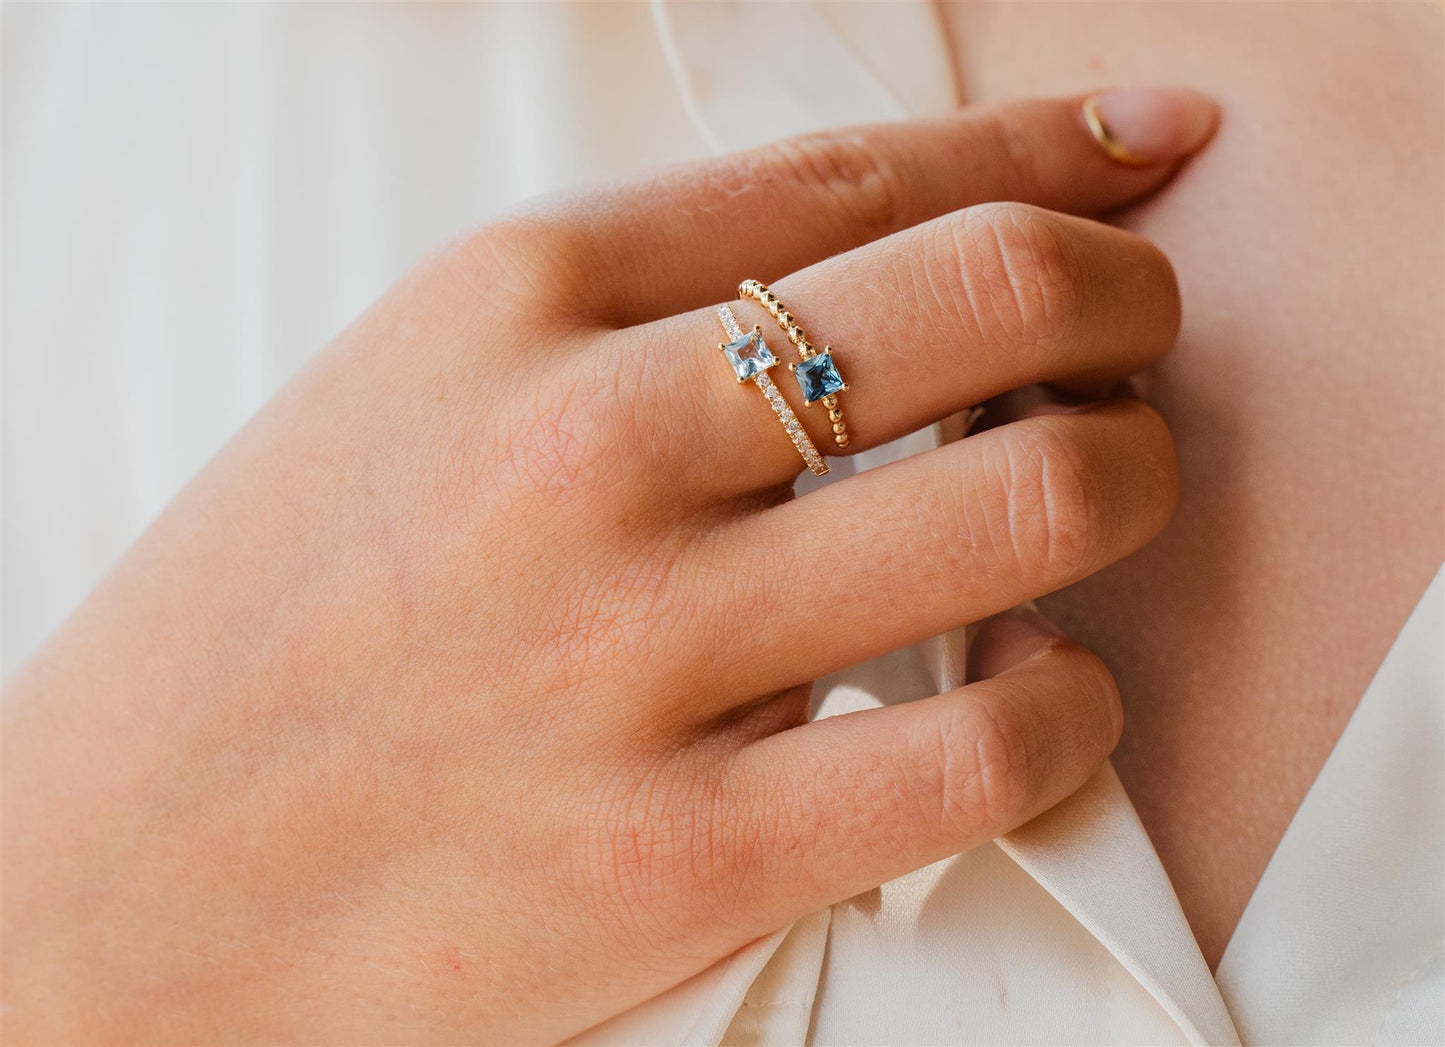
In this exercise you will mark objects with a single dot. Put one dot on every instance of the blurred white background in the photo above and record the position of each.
(197, 197)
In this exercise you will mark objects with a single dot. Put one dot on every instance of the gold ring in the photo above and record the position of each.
(1118, 152)
(750, 358)
(817, 373)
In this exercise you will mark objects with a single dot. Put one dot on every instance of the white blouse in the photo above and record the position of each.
(197, 196)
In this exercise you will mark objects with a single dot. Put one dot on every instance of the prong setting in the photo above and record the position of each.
(817, 373)
(748, 352)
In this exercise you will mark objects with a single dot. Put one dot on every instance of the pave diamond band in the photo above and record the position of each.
(816, 372)
(750, 358)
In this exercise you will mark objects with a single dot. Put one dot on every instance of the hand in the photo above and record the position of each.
(464, 695)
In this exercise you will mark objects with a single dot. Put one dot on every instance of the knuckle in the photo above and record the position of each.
(1049, 505)
(640, 850)
(535, 256)
(571, 437)
(986, 768)
(556, 450)
(1019, 279)
(660, 851)
(495, 253)
(841, 167)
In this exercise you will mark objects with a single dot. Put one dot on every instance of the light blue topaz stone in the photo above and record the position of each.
(818, 376)
(749, 355)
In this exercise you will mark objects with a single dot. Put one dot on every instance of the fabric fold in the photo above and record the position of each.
(695, 1013)
(778, 1008)
(752, 71)
(1092, 854)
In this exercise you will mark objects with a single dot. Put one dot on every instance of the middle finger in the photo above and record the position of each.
(926, 544)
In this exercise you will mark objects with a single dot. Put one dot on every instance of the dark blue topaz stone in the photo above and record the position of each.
(818, 376)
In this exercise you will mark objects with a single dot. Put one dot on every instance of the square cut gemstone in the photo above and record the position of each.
(818, 377)
(749, 355)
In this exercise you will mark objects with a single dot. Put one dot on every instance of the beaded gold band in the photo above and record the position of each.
(816, 372)
(750, 358)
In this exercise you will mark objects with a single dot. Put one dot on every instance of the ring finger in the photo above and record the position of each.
(922, 324)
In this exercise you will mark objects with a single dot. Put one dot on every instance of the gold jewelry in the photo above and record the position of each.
(1118, 152)
(816, 372)
(750, 358)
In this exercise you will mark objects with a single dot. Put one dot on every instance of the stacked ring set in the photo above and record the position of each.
(816, 372)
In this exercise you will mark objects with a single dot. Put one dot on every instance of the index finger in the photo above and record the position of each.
(686, 236)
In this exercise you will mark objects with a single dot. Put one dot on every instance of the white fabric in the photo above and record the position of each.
(1343, 939)
(196, 197)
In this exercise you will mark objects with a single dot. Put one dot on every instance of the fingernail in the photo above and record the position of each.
(1141, 126)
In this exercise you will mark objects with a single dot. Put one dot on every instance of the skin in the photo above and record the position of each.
(460, 697)
(1305, 395)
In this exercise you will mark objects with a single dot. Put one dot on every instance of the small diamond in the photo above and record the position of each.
(749, 355)
(818, 377)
